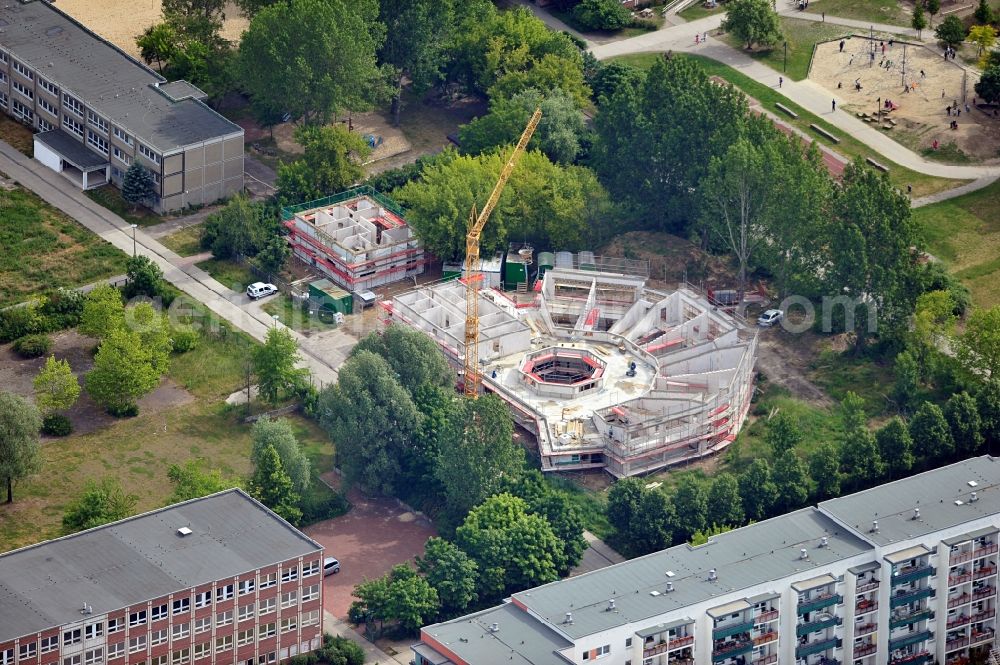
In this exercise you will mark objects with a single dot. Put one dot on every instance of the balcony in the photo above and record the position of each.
(984, 592)
(908, 597)
(983, 616)
(958, 577)
(863, 650)
(959, 600)
(764, 638)
(649, 652)
(955, 622)
(733, 629)
(865, 629)
(869, 585)
(765, 617)
(985, 550)
(819, 603)
(817, 647)
(865, 606)
(731, 649)
(969, 555)
(912, 638)
(678, 642)
(766, 660)
(912, 574)
(912, 659)
(958, 643)
(814, 626)
(984, 636)
(984, 571)
(913, 617)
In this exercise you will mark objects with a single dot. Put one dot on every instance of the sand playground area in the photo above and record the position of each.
(919, 117)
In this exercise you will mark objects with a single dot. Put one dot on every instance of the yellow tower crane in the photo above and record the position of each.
(473, 276)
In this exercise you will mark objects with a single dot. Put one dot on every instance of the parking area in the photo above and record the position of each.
(369, 540)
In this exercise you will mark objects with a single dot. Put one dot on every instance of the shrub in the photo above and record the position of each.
(33, 346)
(22, 320)
(602, 15)
(56, 425)
(184, 340)
(124, 411)
(62, 309)
(316, 509)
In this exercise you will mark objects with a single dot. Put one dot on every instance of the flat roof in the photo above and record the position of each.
(978, 533)
(114, 84)
(908, 553)
(71, 150)
(822, 580)
(942, 495)
(141, 558)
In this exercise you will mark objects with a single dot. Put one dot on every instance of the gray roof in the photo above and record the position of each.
(177, 90)
(743, 558)
(71, 150)
(934, 492)
(114, 84)
(141, 558)
(520, 640)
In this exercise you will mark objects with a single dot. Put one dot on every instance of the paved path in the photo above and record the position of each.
(597, 555)
(230, 306)
(373, 654)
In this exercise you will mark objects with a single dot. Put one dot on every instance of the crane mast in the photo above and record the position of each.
(473, 276)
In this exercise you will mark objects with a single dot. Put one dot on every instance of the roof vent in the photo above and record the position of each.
(874, 526)
(916, 513)
(611, 605)
(824, 542)
(803, 553)
(86, 609)
(494, 627)
(569, 618)
(973, 483)
(184, 531)
(670, 587)
(713, 575)
(959, 502)
(973, 497)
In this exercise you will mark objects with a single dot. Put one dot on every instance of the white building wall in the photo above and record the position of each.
(46, 156)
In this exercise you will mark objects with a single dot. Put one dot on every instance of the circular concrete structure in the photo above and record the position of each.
(562, 372)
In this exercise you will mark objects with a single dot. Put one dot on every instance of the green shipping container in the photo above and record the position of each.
(331, 297)
(545, 262)
(451, 271)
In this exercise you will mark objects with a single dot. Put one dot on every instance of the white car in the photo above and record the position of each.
(330, 566)
(770, 318)
(260, 289)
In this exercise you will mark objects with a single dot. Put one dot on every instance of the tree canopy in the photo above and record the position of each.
(330, 163)
(452, 574)
(752, 22)
(56, 387)
(274, 364)
(979, 347)
(101, 503)
(19, 452)
(273, 487)
(267, 433)
(193, 480)
(414, 357)
(123, 372)
(950, 32)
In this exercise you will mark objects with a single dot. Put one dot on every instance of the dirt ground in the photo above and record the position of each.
(921, 115)
(17, 375)
(121, 21)
(375, 535)
(672, 259)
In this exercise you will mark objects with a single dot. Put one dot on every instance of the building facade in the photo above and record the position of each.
(901, 574)
(97, 110)
(215, 580)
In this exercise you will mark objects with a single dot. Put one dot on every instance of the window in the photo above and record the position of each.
(3, 56)
(222, 592)
(23, 89)
(180, 657)
(137, 618)
(203, 650)
(288, 625)
(72, 637)
(3, 100)
(159, 660)
(160, 611)
(93, 630)
(93, 656)
(28, 651)
(290, 574)
(125, 159)
(114, 625)
(181, 630)
(310, 618)
(7, 657)
(288, 599)
(246, 612)
(72, 660)
(310, 568)
(182, 605)
(224, 643)
(269, 580)
(73, 104)
(204, 598)
(266, 606)
(97, 121)
(224, 618)
(3, 77)
(48, 107)
(124, 137)
(48, 86)
(268, 630)
(599, 652)
(116, 650)
(21, 111)
(628, 642)
(202, 625)
(153, 157)
(244, 637)
(101, 145)
(310, 593)
(157, 637)
(137, 643)
(269, 658)
(50, 643)
(246, 586)
(23, 71)
(77, 128)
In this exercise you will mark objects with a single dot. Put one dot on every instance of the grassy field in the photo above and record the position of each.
(41, 248)
(876, 11)
(964, 232)
(17, 135)
(186, 242)
(922, 184)
(801, 36)
(110, 197)
(228, 273)
(290, 313)
(699, 10)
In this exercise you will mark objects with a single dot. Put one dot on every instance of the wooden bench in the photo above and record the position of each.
(880, 167)
(785, 109)
(822, 132)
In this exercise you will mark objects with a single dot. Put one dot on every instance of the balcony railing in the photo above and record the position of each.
(765, 638)
(817, 647)
(730, 649)
(912, 659)
(864, 629)
(985, 592)
(962, 557)
(955, 622)
(679, 642)
(959, 578)
(871, 585)
(912, 638)
(766, 660)
(984, 636)
(734, 629)
(814, 626)
(911, 574)
(649, 652)
(765, 617)
(913, 617)
(911, 596)
(819, 603)
(983, 616)
(959, 600)
(865, 606)
(956, 644)
(985, 571)
(864, 650)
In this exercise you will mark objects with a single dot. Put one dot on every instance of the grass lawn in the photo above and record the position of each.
(290, 314)
(964, 232)
(186, 242)
(110, 197)
(229, 273)
(699, 10)
(837, 373)
(41, 248)
(876, 11)
(801, 36)
(922, 184)
(17, 135)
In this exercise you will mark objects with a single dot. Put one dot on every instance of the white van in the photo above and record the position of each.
(330, 566)
(260, 289)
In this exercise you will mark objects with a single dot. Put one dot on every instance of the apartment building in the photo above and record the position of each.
(901, 574)
(97, 110)
(215, 580)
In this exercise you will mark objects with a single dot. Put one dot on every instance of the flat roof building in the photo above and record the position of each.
(212, 580)
(901, 574)
(84, 96)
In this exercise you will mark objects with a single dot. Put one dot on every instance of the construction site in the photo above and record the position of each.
(603, 371)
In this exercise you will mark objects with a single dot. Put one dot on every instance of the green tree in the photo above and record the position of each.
(907, 381)
(950, 32)
(477, 453)
(412, 600)
(267, 433)
(610, 76)
(239, 229)
(153, 330)
(330, 163)
(249, 8)
(101, 503)
(274, 365)
(752, 22)
(984, 14)
(932, 7)
(372, 600)
(824, 467)
(194, 480)
(562, 515)
(702, 537)
(783, 434)
(602, 15)
(137, 185)
(725, 505)
(792, 480)
(988, 86)
(933, 323)
(895, 447)
(930, 433)
(919, 21)
(979, 348)
(273, 255)
(414, 357)
(452, 574)
(157, 43)
(988, 405)
(691, 508)
(273, 487)
(56, 387)
(312, 57)
(122, 372)
(852, 413)
(372, 421)
(19, 452)
(983, 36)
(964, 422)
(757, 489)
(651, 529)
(103, 311)
(145, 278)
(624, 499)
(513, 548)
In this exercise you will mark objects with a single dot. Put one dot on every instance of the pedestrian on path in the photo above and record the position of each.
(842, 47)
(781, 80)
(824, 17)
(697, 37)
(834, 104)
(704, 37)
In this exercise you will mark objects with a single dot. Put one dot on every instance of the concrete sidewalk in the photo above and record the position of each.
(373, 654)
